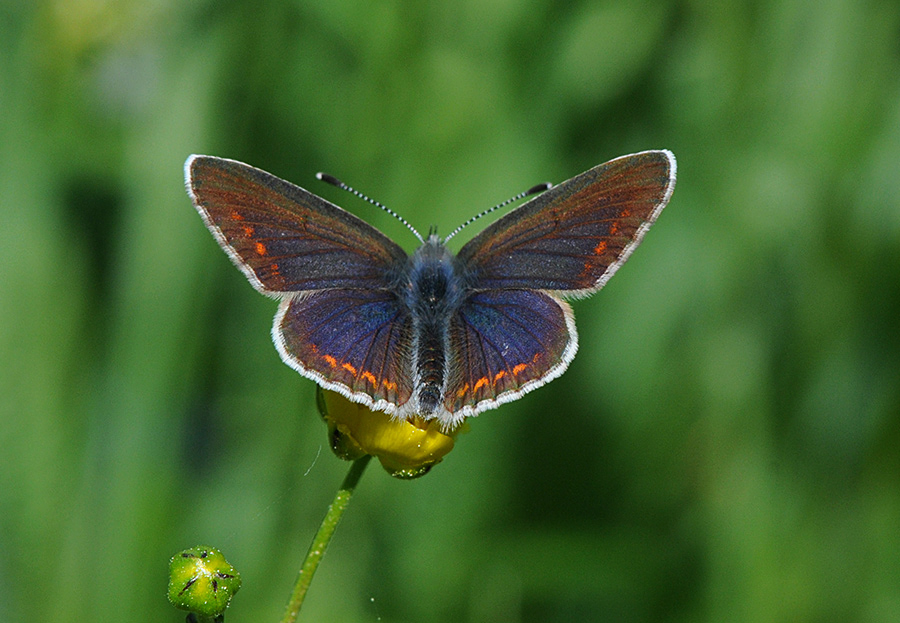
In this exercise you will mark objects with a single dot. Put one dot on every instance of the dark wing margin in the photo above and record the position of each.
(282, 237)
(573, 237)
(351, 341)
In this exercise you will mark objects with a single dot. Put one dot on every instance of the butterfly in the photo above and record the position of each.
(432, 334)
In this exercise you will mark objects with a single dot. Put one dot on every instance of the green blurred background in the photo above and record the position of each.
(726, 444)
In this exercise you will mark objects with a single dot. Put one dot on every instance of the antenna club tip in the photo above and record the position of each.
(329, 179)
(539, 188)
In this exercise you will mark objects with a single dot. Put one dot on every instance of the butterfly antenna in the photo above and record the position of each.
(531, 191)
(330, 179)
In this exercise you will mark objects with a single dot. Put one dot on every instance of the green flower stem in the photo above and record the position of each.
(323, 537)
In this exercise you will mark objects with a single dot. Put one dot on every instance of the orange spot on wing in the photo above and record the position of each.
(349, 368)
(480, 383)
(617, 224)
(519, 368)
(260, 248)
(369, 377)
(499, 375)
(248, 231)
(236, 216)
(388, 384)
(600, 249)
(331, 361)
(463, 391)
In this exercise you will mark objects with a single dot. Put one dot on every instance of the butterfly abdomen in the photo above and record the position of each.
(431, 371)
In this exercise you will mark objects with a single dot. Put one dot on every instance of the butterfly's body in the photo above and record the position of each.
(433, 294)
(433, 335)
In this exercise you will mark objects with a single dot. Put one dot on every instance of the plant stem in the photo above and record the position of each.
(323, 537)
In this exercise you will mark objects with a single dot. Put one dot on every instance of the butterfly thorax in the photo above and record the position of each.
(434, 293)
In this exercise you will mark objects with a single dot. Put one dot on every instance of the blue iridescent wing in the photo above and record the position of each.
(354, 341)
(504, 344)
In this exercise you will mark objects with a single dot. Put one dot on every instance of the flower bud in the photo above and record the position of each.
(202, 581)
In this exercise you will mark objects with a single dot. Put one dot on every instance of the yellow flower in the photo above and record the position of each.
(406, 449)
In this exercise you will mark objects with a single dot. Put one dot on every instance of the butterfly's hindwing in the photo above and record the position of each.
(504, 343)
(355, 340)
